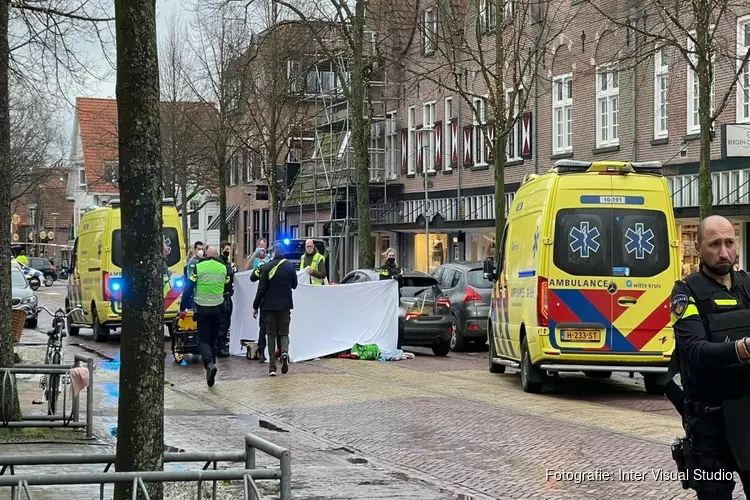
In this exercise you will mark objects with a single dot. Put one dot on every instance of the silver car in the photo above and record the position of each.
(23, 295)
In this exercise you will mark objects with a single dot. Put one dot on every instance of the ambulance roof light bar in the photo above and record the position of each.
(565, 166)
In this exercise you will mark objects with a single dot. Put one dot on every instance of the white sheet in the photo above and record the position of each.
(325, 319)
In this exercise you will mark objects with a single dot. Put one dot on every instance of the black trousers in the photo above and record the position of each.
(262, 332)
(226, 320)
(277, 329)
(209, 322)
(712, 461)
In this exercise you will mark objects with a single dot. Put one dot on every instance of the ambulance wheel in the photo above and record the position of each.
(101, 332)
(493, 367)
(528, 370)
(652, 386)
(72, 330)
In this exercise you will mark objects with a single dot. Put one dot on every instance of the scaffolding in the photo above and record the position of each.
(328, 177)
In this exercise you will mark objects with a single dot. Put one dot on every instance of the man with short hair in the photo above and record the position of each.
(195, 257)
(314, 262)
(204, 293)
(227, 306)
(277, 280)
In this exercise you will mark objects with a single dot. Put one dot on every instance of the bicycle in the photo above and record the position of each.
(50, 384)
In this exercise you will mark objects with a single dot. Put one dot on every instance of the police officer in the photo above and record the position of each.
(255, 276)
(711, 320)
(314, 262)
(227, 306)
(277, 280)
(391, 271)
(205, 289)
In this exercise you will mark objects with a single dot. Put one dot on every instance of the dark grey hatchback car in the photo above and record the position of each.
(470, 295)
(424, 313)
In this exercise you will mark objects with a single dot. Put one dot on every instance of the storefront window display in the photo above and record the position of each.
(480, 246)
(438, 251)
(689, 257)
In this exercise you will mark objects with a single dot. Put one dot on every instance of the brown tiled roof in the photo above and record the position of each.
(97, 121)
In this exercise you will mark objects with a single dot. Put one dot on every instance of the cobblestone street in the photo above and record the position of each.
(426, 428)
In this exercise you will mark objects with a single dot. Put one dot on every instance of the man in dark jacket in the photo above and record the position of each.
(226, 307)
(277, 280)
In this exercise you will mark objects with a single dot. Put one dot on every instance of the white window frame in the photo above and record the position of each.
(607, 99)
(487, 16)
(429, 31)
(512, 151)
(508, 11)
(479, 120)
(82, 177)
(429, 113)
(411, 140)
(743, 83)
(562, 139)
(661, 95)
(447, 133)
(692, 115)
(391, 145)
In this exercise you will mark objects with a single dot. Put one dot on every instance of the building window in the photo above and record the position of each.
(412, 140)
(429, 31)
(111, 172)
(693, 90)
(487, 16)
(480, 120)
(256, 227)
(508, 11)
(513, 144)
(81, 176)
(266, 225)
(661, 93)
(428, 138)
(743, 85)
(246, 232)
(607, 106)
(447, 133)
(193, 207)
(562, 114)
(390, 145)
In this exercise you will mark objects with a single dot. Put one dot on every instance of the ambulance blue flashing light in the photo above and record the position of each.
(285, 241)
(178, 283)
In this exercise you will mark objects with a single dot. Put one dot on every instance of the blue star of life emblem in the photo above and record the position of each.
(536, 242)
(168, 242)
(584, 239)
(639, 241)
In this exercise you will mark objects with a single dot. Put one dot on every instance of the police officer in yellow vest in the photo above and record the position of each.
(314, 262)
(205, 289)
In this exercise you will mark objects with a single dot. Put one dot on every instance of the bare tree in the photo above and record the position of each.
(140, 436)
(703, 34)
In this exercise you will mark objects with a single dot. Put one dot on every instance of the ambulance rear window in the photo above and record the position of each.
(170, 238)
(621, 242)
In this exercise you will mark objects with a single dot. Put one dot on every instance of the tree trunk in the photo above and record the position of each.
(9, 407)
(361, 138)
(273, 191)
(501, 124)
(223, 224)
(140, 433)
(705, 118)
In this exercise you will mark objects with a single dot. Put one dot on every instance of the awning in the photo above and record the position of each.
(231, 212)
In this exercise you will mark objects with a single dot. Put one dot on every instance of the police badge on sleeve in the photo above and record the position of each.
(679, 304)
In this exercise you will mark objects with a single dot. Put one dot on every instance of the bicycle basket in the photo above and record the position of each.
(18, 321)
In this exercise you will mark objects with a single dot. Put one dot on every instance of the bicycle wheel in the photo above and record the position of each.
(53, 386)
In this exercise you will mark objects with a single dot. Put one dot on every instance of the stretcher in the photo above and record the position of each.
(184, 337)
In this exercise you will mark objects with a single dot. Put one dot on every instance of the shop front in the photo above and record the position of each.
(480, 244)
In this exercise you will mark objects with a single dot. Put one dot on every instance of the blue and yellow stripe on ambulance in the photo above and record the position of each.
(501, 327)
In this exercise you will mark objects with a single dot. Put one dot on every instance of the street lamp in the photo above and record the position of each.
(427, 211)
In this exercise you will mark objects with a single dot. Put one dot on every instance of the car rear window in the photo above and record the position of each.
(476, 279)
(611, 242)
(414, 284)
(170, 238)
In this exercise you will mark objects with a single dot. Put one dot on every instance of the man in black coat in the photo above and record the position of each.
(277, 280)
(227, 306)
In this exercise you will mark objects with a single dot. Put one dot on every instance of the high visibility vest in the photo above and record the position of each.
(318, 261)
(272, 273)
(210, 277)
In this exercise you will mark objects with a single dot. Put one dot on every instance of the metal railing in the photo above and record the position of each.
(249, 474)
(7, 382)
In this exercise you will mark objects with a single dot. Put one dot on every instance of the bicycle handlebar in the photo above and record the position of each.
(53, 314)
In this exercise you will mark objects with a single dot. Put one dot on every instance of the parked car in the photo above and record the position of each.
(470, 295)
(424, 312)
(23, 295)
(45, 266)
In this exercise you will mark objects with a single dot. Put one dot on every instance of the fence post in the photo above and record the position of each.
(286, 475)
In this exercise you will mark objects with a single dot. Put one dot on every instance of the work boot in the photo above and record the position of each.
(261, 357)
(211, 374)
(284, 363)
(272, 370)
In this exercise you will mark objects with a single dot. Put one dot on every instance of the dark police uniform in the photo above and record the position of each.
(255, 276)
(393, 272)
(226, 309)
(707, 318)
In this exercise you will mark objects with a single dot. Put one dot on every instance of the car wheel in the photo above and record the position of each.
(441, 348)
(32, 322)
(48, 279)
(34, 283)
(527, 369)
(652, 386)
(493, 367)
(72, 330)
(458, 343)
(101, 332)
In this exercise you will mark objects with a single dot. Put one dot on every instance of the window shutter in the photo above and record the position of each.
(404, 150)
(454, 143)
(468, 141)
(438, 145)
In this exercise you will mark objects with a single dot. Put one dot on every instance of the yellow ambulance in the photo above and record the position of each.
(96, 283)
(583, 275)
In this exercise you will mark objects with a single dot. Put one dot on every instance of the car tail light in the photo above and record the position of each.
(473, 328)
(412, 315)
(542, 303)
(444, 302)
(111, 287)
(471, 295)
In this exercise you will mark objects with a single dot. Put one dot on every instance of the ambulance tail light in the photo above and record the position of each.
(111, 287)
(542, 306)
